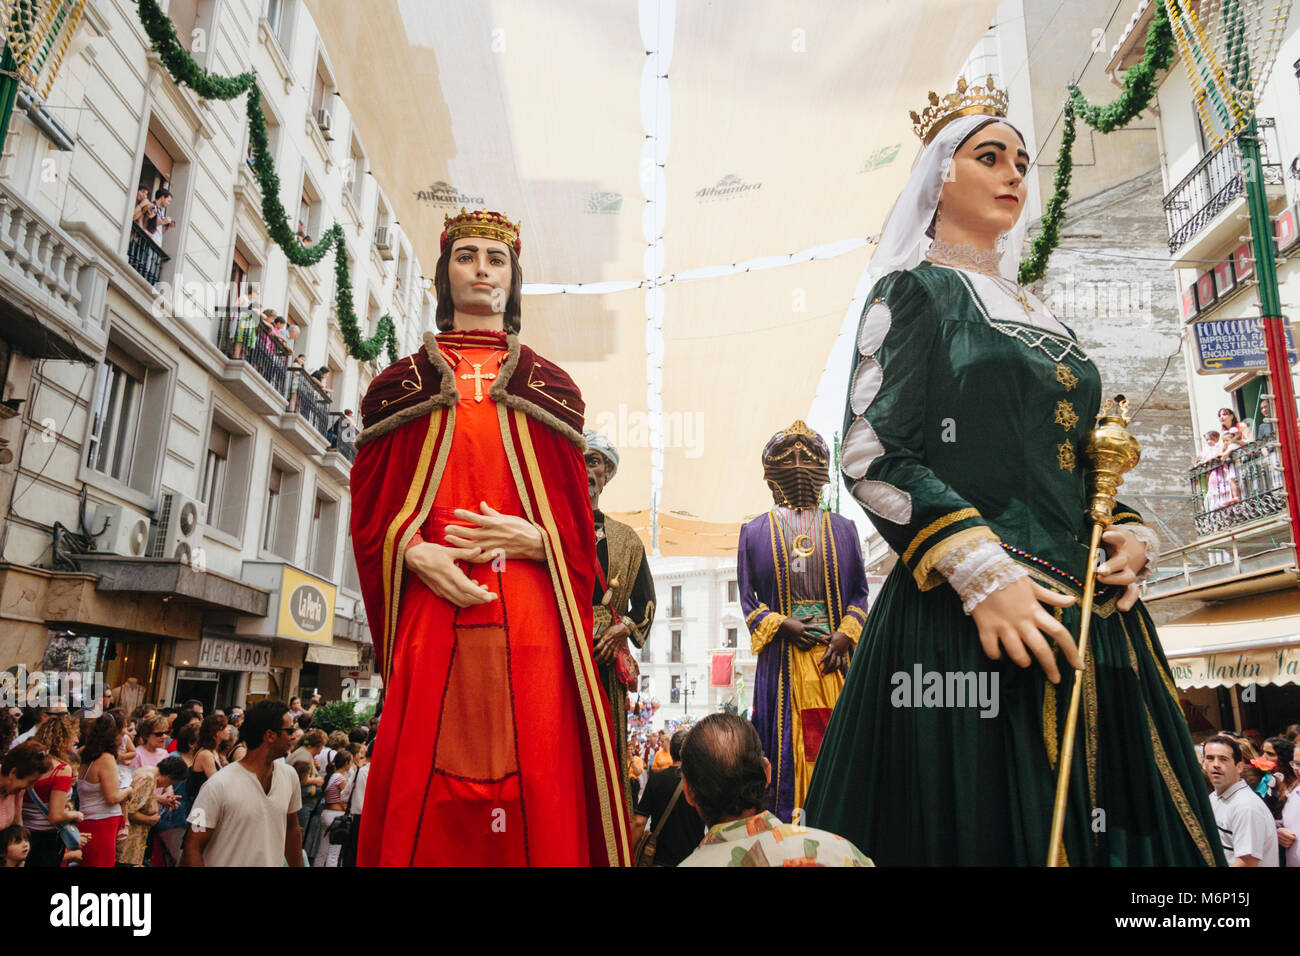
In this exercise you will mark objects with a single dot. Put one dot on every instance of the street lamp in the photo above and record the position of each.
(688, 688)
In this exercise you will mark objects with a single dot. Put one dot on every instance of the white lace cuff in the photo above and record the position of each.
(1150, 541)
(978, 569)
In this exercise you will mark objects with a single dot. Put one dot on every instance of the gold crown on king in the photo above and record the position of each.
(966, 101)
(489, 225)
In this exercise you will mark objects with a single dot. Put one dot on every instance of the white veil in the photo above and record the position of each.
(903, 244)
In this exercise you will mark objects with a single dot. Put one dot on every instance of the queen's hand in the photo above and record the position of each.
(1013, 619)
(1126, 558)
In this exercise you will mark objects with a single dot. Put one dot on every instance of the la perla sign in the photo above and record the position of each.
(307, 606)
(234, 655)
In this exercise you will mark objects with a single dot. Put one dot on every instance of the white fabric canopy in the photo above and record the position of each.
(650, 146)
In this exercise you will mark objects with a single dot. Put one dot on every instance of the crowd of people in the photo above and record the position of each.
(264, 786)
(150, 787)
(1254, 796)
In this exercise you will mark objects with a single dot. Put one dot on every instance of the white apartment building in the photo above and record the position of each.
(138, 417)
(697, 620)
(1234, 649)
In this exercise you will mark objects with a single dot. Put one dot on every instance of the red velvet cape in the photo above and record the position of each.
(409, 415)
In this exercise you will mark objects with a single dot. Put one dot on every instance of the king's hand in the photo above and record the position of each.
(496, 535)
(436, 566)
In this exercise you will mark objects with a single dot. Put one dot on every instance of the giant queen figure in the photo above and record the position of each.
(964, 431)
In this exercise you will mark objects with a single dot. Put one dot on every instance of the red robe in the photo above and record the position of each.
(495, 745)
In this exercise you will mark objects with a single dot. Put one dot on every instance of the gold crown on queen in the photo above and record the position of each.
(966, 101)
(488, 225)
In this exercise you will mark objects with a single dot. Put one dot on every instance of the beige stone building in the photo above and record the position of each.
(174, 480)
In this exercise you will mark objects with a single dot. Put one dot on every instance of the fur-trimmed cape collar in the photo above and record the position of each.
(414, 386)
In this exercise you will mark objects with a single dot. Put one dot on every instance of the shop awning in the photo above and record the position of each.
(339, 654)
(1253, 640)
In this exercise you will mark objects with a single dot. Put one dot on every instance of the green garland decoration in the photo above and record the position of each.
(1034, 265)
(1139, 88)
(182, 68)
(179, 63)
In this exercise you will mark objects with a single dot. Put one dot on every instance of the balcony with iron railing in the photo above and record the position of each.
(1245, 485)
(342, 451)
(145, 255)
(342, 436)
(1244, 541)
(257, 360)
(308, 399)
(1201, 211)
(242, 335)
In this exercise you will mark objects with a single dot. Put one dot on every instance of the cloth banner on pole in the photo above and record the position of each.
(720, 673)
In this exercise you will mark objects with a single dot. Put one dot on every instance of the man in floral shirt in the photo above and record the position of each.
(726, 780)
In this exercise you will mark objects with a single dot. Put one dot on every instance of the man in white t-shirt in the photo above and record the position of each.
(246, 814)
(1246, 827)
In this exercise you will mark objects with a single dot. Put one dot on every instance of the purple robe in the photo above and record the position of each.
(763, 569)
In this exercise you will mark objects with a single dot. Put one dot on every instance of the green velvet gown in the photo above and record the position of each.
(965, 424)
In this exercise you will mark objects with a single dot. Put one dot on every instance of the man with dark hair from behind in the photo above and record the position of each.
(682, 829)
(726, 779)
(247, 813)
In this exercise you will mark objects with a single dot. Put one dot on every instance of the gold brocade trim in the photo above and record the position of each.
(850, 627)
(410, 386)
(1065, 456)
(763, 634)
(1127, 514)
(1090, 726)
(1066, 377)
(749, 620)
(613, 824)
(823, 541)
(780, 709)
(421, 515)
(936, 526)
(1066, 416)
(926, 576)
(1183, 805)
(1049, 724)
(1100, 611)
(393, 561)
(1165, 676)
(781, 561)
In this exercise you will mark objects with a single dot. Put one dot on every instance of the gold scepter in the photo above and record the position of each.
(1110, 450)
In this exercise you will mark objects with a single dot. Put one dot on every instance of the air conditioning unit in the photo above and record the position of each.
(383, 244)
(176, 532)
(121, 530)
(324, 122)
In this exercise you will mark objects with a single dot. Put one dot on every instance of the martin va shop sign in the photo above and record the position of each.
(1234, 345)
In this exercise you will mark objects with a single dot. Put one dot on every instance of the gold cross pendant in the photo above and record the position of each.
(479, 378)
